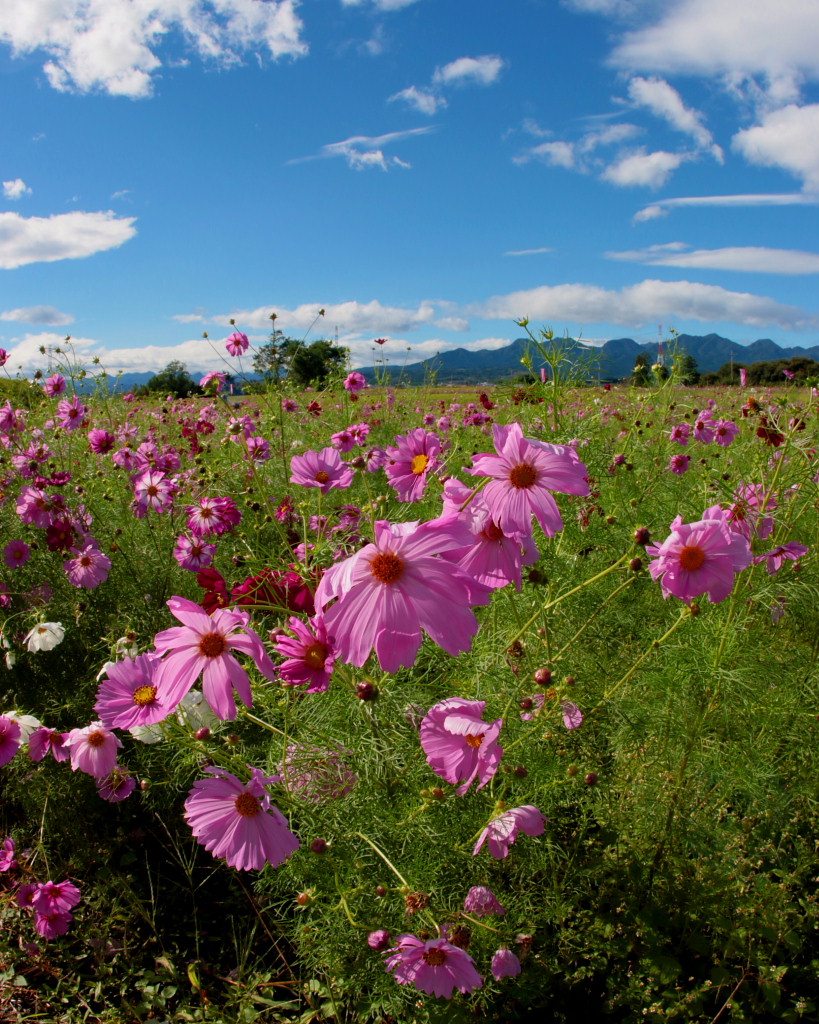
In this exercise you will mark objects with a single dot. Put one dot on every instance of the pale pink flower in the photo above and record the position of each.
(435, 966)
(323, 469)
(481, 901)
(746, 515)
(355, 382)
(410, 462)
(193, 554)
(213, 515)
(503, 830)
(213, 381)
(88, 568)
(237, 343)
(70, 415)
(505, 964)
(460, 746)
(93, 750)
(724, 432)
(54, 385)
(153, 489)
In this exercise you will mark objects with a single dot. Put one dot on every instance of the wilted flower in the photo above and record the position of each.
(314, 774)
(503, 830)
(481, 901)
(505, 964)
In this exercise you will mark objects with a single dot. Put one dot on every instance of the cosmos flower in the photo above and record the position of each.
(7, 861)
(55, 897)
(9, 739)
(117, 786)
(100, 441)
(390, 590)
(481, 901)
(410, 462)
(153, 489)
(310, 655)
(49, 926)
(746, 515)
(89, 568)
(16, 553)
(435, 966)
(379, 939)
(237, 821)
(93, 750)
(776, 558)
(193, 554)
(54, 385)
(523, 473)
(724, 432)
(202, 646)
(699, 558)
(679, 464)
(322, 469)
(43, 740)
(237, 343)
(213, 381)
(128, 695)
(460, 746)
(355, 382)
(503, 830)
(70, 415)
(213, 515)
(45, 636)
(505, 964)
(681, 433)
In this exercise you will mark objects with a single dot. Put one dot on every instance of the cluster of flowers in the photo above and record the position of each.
(706, 429)
(51, 903)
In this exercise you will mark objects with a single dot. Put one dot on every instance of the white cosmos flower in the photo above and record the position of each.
(45, 637)
(27, 723)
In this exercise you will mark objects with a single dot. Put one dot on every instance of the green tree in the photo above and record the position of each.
(300, 363)
(685, 368)
(174, 380)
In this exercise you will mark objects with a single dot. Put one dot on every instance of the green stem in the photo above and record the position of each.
(684, 614)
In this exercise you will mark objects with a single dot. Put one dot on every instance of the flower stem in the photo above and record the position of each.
(684, 614)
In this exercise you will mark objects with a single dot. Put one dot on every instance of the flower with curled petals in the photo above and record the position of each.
(503, 830)
(435, 966)
(460, 746)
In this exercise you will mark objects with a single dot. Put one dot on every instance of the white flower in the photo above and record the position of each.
(126, 647)
(148, 733)
(27, 723)
(45, 637)
(104, 670)
(195, 713)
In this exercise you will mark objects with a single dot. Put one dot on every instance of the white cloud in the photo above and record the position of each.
(662, 206)
(350, 317)
(425, 101)
(111, 45)
(648, 302)
(558, 154)
(663, 100)
(452, 323)
(749, 258)
(735, 38)
(469, 70)
(50, 316)
(611, 135)
(527, 252)
(786, 138)
(363, 151)
(381, 5)
(577, 156)
(16, 189)
(62, 236)
(649, 213)
(643, 169)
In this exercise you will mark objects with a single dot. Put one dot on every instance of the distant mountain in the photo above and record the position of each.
(612, 361)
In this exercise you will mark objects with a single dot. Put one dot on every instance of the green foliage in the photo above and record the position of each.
(173, 380)
(300, 363)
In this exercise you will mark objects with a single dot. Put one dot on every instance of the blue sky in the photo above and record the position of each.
(422, 170)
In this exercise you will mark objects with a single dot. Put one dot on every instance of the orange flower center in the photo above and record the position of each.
(144, 695)
(212, 645)
(322, 477)
(96, 738)
(473, 741)
(523, 476)
(315, 655)
(434, 957)
(247, 805)
(692, 557)
(419, 464)
(387, 567)
(492, 532)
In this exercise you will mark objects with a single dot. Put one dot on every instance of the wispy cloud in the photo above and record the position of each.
(425, 101)
(48, 316)
(661, 207)
(429, 99)
(747, 259)
(662, 99)
(528, 252)
(62, 236)
(364, 151)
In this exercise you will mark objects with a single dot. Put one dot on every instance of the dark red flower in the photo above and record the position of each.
(60, 535)
(275, 587)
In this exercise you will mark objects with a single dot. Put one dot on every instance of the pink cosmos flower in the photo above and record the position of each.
(410, 463)
(435, 966)
(390, 590)
(679, 464)
(213, 515)
(379, 939)
(322, 469)
(43, 739)
(100, 441)
(481, 901)
(202, 646)
(724, 432)
(289, 405)
(778, 556)
(503, 830)
(355, 382)
(16, 553)
(704, 428)
(54, 385)
(70, 414)
(460, 746)
(746, 515)
(117, 786)
(153, 489)
(9, 739)
(237, 821)
(93, 750)
(505, 964)
(237, 343)
(310, 655)
(213, 381)
(681, 433)
(128, 696)
(89, 568)
(343, 441)
(49, 926)
(572, 715)
(699, 558)
(193, 554)
(523, 473)
(258, 448)
(789, 374)
(55, 897)
(7, 861)
(4, 357)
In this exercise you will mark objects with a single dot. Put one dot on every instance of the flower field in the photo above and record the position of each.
(409, 705)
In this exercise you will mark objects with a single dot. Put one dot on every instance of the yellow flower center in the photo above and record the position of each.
(144, 695)
(419, 464)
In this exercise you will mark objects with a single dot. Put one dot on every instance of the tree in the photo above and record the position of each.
(300, 363)
(685, 368)
(174, 380)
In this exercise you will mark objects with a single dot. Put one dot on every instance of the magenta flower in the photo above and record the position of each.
(681, 433)
(117, 786)
(213, 515)
(193, 554)
(7, 861)
(746, 515)
(503, 830)
(213, 381)
(70, 414)
(128, 696)
(776, 558)
(16, 553)
(435, 966)
(322, 469)
(93, 750)
(42, 740)
(153, 489)
(460, 746)
(237, 343)
(505, 964)
(89, 568)
(523, 473)
(355, 382)
(724, 432)
(49, 926)
(410, 463)
(202, 646)
(379, 939)
(55, 897)
(100, 441)
(481, 901)
(679, 464)
(238, 822)
(4, 356)
(572, 715)
(699, 558)
(390, 590)
(310, 655)
(704, 428)
(9, 739)
(54, 385)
